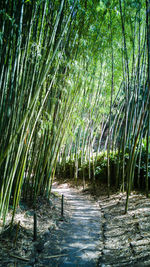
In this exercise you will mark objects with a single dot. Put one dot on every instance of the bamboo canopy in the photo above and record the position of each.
(74, 81)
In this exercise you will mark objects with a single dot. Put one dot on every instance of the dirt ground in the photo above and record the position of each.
(18, 247)
(124, 240)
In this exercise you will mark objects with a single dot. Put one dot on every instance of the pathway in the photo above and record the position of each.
(81, 234)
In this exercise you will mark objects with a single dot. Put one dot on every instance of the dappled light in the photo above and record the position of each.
(82, 233)
(74, 133)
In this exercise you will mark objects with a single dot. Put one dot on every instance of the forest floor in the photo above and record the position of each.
(94, 231)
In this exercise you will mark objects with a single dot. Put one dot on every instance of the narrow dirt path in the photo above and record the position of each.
(81, 234)
(93, 233)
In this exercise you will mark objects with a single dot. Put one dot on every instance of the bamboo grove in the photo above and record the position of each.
(74, 85)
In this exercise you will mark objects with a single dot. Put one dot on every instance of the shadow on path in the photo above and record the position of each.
(80, 240)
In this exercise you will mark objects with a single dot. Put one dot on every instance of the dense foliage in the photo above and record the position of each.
(75, 80)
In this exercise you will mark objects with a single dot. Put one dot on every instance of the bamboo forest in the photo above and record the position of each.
(74, 133)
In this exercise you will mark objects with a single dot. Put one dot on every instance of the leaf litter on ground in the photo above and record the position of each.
(124, 241)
